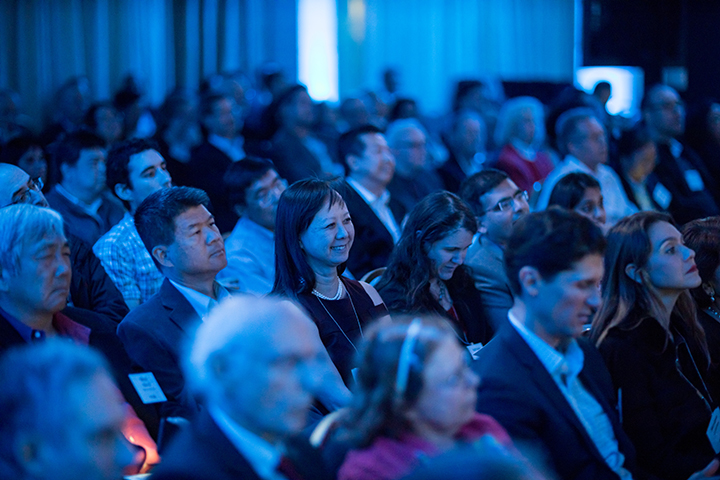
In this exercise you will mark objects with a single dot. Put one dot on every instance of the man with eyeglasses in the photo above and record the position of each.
(497, 203)
(135, 169)
(254, 188)
(582, 139)
(690, 191)
(91, 287)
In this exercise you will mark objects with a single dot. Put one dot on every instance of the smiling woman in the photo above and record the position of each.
(654, 347)
(313, 237)
(426, 272)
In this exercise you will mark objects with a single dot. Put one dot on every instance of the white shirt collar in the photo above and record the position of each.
(199, 301)
(91, 208)
(263, 456)
(366, 194)
(233, 148)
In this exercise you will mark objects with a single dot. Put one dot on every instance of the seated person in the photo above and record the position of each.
(415, 399)
(61, 417)
(638, 159)
(313, 238)
(254, 188)
(91, 287)
(135, 169)
(497, 204)
(180, 235)
(426, 272)
(581, 193)
(26, 153)
(81, 197)
(258, 363)
(34, 285)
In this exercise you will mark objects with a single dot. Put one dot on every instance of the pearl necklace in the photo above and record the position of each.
(337, 296)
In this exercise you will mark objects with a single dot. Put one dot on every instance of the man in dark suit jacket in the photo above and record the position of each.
(377, 217)
(181, 236)
(550, 391)
(257, 362)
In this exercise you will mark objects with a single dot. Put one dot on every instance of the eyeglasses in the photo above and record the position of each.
(25, 196)
(406, 357)
(508, 203)
(264, 197)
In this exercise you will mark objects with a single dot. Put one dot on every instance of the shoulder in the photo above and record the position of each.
(372, 293)
(384, 459)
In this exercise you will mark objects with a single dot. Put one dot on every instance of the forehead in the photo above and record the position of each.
(590, 126)
(48, 241)
(589, 268)
(665, 95)
(11, 181)
(460, 236)
(142, 160)
(506, 188)
(412, 134)
(444, 360)
(373, 140)
(265, 181)
(661, 231)
(94, 404)
(91, 154)
(192, 216)
(326, 212)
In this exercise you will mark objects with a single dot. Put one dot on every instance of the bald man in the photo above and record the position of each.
(258, 363)
(91, 287)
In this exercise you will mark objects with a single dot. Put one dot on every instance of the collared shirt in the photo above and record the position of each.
(379, 205)
(250, 251)
(616, 202)
(63, 325)
(91, 209)
(564, 370)
(199, 301)
(127, 262)
(233, 148)
(262, 456)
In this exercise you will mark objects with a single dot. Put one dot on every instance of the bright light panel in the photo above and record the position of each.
(626, 82)
(317, 48)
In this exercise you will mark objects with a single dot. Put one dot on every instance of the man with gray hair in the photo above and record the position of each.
(256, 363)
(582, 140)
(414, 177)
(61, 416)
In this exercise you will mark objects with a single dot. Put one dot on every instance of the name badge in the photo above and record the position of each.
(694, 180)
(713, 431)
(474, 349)
(147, 387)
(662, 196)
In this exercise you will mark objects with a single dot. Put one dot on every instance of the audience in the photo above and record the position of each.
(415, 399)
(638, 158)
(654, 347)
(26, 153)
(313, 238)
(81, 195)
(376, 214)
(104, 121)
(580, 192)
(693, 193)
(61, 417)
(703, 134)
(544, 384)
(135, 169)
(426, 273)
(257, 363)
(497, 204)
(181, 236)
(91, 287)
(254, 188)
(466, 148)
(178, 132)
(583, 141)
(519, 134)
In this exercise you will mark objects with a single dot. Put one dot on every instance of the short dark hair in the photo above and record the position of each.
(118, 159)
(473, 188)
(351, 142)
(208, 102)
(90, 121)
(568, 124)
(703, 236)
(550, 241)
(15, 148)
(296, 209)
(66, 150)
(155, 217)
(570, 189)
(241, 175)
(463, 89)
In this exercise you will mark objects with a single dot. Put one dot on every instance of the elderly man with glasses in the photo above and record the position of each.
(497, 203)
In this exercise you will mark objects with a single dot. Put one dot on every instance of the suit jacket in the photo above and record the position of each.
(485, 260)
(207, 168)
(104, 339)
(517, 390)
(153, 335)
(201, 451)
(373, 242)
(452, 173)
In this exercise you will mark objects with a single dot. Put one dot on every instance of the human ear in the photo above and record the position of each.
(27, 452)
(123, 192)
(708, 289)
(352, 161)
(633, 272)
(530, 280)
(160, 253)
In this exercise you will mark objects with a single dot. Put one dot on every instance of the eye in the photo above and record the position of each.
(671, 250)
(330, 225)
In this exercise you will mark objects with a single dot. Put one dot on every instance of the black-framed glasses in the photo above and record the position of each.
(508, 203)
(24, 196)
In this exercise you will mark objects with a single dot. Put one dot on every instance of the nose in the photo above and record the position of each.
(689, 253)
(342, 231)
(459, 257)
(165, 178)
(595, 298)
(213, 235)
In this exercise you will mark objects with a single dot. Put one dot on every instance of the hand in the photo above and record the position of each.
(707, 472)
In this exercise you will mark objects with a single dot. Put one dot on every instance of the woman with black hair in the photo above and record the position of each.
(580, 192)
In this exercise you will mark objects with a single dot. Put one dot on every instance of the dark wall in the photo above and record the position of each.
(654, 34)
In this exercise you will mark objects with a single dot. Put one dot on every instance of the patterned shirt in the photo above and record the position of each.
(127, 262)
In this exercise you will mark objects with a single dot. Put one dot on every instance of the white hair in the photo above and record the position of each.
(24, 225)
(399, 127)
(508, 117)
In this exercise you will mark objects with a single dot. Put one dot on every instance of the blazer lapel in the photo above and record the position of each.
(180, 312)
